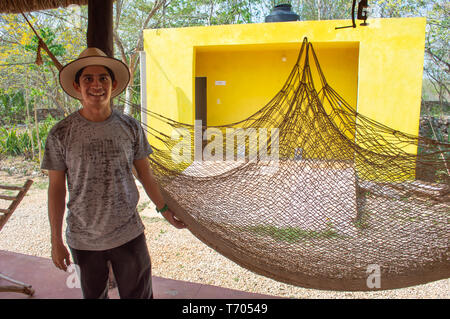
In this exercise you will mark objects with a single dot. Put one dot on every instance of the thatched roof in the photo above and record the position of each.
(18, 6)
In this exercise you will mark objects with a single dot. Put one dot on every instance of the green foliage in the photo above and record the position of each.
(41, 185)
(12, 107)
(18, 44)
(322, 10)
(45, 127)
(48, 36)
(182, 13)
(11, 142)
(435, 108)
(16, 141)
(293, 234)
(64, 32)
(437, 47)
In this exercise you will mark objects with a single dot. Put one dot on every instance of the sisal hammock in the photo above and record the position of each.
(346, 199)
(349, 198)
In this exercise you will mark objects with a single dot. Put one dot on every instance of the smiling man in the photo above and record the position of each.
(94, 150)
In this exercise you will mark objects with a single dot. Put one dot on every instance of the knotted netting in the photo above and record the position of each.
(309, 192)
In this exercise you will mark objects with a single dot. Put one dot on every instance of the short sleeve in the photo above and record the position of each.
(54, 158)
(142, 148)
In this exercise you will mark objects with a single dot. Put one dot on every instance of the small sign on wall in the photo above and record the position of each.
(221, 82)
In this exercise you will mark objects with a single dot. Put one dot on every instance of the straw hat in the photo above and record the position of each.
(93, 56)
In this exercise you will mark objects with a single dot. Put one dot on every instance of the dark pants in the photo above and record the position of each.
(130, 264)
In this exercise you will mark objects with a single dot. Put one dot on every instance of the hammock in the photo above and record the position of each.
(347, 204)
(350, 204)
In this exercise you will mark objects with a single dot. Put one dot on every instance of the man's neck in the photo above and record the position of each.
(95, 114)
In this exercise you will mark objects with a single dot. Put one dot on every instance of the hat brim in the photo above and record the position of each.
(120, 70)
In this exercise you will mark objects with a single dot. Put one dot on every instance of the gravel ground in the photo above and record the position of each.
(176, 254)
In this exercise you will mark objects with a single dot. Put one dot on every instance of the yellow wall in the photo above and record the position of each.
(376, 68)
(254, 74)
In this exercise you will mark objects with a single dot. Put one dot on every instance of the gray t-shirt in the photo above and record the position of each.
(98, 159)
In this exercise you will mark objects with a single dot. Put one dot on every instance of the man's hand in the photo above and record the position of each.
(56, 207)
(145, 176)
(170, 217)
(60, 256)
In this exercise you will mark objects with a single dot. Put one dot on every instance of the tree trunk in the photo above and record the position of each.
(133, 61)
(30, 131)
(318, 10)
(36, 123)
(129, 94)
(127, 107)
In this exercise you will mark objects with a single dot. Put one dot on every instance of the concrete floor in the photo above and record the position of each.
(49, 282)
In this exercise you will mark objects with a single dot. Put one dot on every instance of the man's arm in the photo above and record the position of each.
(56, 208)
(145, 176)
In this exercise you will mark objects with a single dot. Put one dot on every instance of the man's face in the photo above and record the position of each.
(95, 86)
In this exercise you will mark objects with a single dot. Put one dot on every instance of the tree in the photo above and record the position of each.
(136, 15)
(437, 62)
(18, 49)
(46, 67)
(132, 17)
(322, 9)
(14, 61)
(437, 65)
(67, 28)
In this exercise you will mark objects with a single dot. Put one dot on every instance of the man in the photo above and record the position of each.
(94, 150)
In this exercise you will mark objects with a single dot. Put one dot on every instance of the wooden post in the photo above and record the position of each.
(100, 25)
(100, 35)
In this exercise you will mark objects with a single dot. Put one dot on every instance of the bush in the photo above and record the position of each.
(10, 142)
(14, 141)
(12, 108)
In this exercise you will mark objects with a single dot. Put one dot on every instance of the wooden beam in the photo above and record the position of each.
(100, 25)
(15, 202)
(5, 197)
(11, 188)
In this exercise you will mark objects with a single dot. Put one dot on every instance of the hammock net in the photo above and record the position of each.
(326, 198)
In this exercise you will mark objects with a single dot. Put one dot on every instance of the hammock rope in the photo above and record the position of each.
(346, 192)
(42, 45)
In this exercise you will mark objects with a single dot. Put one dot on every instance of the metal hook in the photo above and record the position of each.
(361, 15)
